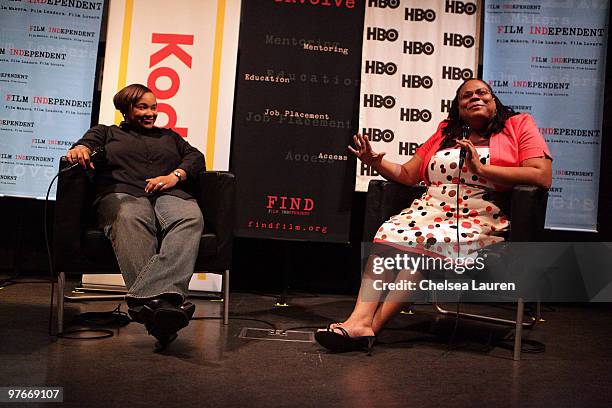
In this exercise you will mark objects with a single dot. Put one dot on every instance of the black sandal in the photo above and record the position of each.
(343, 342)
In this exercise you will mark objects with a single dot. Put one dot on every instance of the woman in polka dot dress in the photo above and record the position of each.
(502, 148)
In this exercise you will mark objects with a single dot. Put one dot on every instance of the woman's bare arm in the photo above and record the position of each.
(536, 171)
(407, 173)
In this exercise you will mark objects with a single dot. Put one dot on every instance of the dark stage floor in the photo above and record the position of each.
(209, 365)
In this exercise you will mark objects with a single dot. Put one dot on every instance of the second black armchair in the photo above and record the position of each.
(526, 206)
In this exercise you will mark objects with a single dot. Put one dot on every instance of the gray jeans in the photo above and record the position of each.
(156, 241)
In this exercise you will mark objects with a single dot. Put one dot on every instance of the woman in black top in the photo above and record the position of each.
(153, 223)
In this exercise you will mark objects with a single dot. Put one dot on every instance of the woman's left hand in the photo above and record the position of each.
(472, 159)
(160, 183)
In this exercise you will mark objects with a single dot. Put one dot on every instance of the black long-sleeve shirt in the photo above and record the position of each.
(131, 156)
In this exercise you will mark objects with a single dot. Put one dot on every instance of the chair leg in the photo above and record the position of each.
(226, 297)
(538, 317)
(482, 318)
(61, 285)
(518, 331)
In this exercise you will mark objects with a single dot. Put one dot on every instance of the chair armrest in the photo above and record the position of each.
(217, 199)
(384, 199)
(527, 213)
(73, 188)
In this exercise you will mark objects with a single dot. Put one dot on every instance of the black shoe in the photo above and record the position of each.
(162, 319)
(167, 318)
(342, 342)
(140, 314)
(143, 312)
(189, 309)
(163, 339)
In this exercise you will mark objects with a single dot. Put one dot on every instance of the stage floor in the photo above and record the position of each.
(210, 365)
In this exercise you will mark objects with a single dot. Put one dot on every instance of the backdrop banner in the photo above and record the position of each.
(415, 55)
(297, 103)
(186, 53)
(548, 58)
(48, 53)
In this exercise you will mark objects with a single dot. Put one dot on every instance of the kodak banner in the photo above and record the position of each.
(185, 51)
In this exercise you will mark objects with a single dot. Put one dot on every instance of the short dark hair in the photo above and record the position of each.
(452, 131)
(128, 96)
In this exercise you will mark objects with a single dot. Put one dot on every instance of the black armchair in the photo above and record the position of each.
(526, 206)
(80, 247)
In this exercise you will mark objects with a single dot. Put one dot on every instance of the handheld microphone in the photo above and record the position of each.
(97, 151)
(465, 134)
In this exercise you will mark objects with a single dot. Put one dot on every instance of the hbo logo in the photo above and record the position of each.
(459, 7)
(415, 115)
(458, 40)
(377, 135)
(384, 3)
(380, 34)
(456, 73)
(415, 47)
(416, 81)
(415, 14)
(380, 68)
(378, 101)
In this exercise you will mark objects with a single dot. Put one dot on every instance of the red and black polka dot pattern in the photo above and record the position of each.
(430, 223)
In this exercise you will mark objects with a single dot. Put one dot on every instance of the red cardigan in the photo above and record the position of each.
(519, 140)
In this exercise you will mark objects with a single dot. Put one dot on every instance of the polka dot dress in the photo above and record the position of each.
(430, 224)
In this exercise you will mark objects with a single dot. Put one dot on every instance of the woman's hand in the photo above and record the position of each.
(364, 151)
(472, 159)
(160, 183)
(80, 154)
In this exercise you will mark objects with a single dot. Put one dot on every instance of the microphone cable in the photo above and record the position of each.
(465, 134)
(85, 317)
(457, 211)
